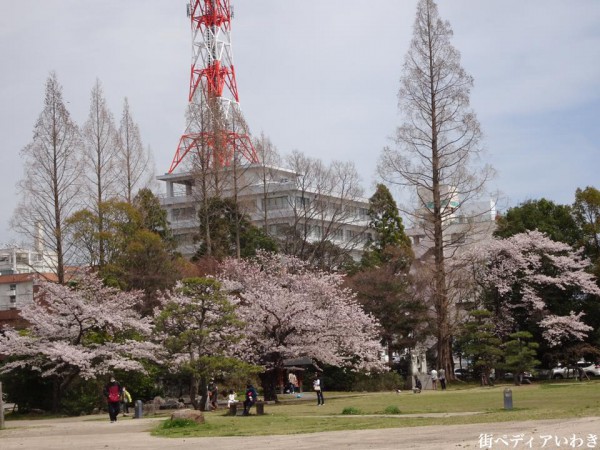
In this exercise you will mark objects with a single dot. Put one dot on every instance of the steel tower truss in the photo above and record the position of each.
(213, 90)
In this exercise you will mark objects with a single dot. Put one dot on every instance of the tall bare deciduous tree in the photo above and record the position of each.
(269, 158)
(437, 148)
(206, 119)
(50, 187)
(326, 205)
(134, 162)
(101, 158)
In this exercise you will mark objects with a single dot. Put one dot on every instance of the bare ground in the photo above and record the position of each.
(95, 432)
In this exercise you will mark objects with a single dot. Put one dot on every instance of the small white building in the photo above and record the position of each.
(20, 270)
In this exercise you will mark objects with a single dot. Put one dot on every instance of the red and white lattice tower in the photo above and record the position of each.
(212, 82)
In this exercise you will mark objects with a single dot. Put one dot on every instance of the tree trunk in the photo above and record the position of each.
(56, 396)
(268, 382)
(196, 403)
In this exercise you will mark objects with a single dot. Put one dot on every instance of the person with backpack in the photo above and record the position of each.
(251, 396)
(113, 392)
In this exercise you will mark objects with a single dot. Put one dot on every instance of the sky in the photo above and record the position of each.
(318, 76)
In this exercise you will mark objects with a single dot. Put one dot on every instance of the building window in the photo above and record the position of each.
(339, 234)
(302, 202)
(183, 214)
(316, 231)
(276, 229)
(22, 258)
(275, 203)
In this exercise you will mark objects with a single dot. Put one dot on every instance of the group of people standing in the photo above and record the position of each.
(118, 398)
(438, 375)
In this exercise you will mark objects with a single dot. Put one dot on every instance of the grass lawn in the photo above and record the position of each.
(549, 400)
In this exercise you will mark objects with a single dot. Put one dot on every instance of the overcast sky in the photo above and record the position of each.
(319, 76)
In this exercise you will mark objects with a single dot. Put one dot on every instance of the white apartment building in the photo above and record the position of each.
(20, 269)
(275, 199)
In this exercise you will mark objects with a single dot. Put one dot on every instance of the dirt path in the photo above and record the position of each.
(95, 432)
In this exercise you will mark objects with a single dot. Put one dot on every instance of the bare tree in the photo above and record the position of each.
(135, 163)
(101, 158)
(206, 123)
(50, 187)
(328, 221)
(269, 159)
(237, 181)
(437, 149)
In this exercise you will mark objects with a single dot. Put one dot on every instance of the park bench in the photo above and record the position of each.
(237, 409)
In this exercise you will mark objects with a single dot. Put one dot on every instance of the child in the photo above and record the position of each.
(231, 398)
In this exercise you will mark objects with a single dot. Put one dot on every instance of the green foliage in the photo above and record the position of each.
(351, 411)
(129, 243)
(478, 341)
(543, 215)
(179, 423)
(143, 386)
(27, 389)
(377, 381)
(82, 397)
(199, 325)
(221, 219)
(152, 215)
(520, 353)
(386, 292)
(382, 280)
(344, 379)
(387, 223)
(392, 410)
(586, 211)
(253, 238)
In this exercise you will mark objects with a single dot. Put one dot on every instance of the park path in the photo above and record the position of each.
(95, 433)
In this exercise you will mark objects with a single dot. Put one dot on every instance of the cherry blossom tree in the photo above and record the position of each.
(197, 325)
(532, 281)
(82, 330)
(292, 311)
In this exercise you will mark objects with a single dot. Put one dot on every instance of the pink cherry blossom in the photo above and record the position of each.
(291, 310)
(519, 269)
(79, 331)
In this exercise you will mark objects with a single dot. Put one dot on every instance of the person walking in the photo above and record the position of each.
(213, 394)
(251, 396)
(442, 378)
(113, 393)
(434, 379)
(126, 400)
(318, 388)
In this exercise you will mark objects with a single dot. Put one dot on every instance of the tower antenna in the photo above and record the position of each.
(213, 107)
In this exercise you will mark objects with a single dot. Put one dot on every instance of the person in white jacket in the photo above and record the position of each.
(318, 388)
